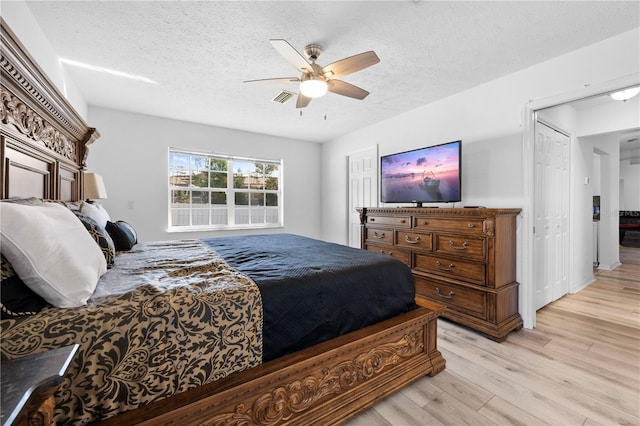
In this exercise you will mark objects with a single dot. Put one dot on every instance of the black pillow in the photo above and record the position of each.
(16, 299)
(100, 236)
(123, 235)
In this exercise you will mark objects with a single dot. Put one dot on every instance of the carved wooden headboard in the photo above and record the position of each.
(43, 140)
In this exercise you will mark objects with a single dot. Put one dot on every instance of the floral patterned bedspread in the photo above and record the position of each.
(168, 317)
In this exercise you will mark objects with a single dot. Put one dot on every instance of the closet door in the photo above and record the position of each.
(551, 238)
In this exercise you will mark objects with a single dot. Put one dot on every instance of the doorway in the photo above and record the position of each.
(526, 233)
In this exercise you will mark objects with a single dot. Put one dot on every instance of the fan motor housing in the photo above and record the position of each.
(313, 51)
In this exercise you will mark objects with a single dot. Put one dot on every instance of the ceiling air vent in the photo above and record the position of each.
(283, 97)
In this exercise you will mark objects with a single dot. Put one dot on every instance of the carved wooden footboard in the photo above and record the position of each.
(325, 384)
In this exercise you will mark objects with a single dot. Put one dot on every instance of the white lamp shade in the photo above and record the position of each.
(94, 187)
(314, 87)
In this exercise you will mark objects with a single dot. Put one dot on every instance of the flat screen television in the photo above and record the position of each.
(427, 175)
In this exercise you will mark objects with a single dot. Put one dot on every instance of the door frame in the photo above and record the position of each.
(527, 288)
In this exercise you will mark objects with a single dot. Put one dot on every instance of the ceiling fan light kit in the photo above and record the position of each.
(315, 80)
(313, 86)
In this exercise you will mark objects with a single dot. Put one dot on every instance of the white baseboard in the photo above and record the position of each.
(611, 267)
(582, 285)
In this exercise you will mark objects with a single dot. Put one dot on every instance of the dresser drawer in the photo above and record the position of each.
(414, 240)
(395, 221)
(457, 298)
(463, 225)
(403, 256)
(376, 235)
(472, 272)
(460, 246)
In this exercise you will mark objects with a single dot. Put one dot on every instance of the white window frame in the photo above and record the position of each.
(230, 192)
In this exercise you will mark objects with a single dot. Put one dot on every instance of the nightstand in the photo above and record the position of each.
(28, 385)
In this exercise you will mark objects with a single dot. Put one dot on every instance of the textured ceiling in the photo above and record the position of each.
(200, 52)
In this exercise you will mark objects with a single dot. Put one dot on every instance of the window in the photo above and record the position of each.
(221, 192)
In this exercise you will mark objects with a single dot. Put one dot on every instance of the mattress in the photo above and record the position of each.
(313, 291)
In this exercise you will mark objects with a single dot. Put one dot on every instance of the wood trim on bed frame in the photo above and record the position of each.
(43, 140)
(325, 384)
(44, 148)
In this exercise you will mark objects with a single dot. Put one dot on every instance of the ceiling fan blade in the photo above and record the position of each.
(350, 65)
(291, 55)
(343, 88)
(274, 80)
(302, 101)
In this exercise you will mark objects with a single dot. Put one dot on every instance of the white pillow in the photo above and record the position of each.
(95, 212)
(52, 252)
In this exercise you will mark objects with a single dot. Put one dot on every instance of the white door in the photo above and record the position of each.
(363, 188)
(551, 210)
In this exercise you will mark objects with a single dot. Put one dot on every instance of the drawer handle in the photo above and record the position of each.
(403, 221)
(470, 225)
(447, 296)
(445, 268)
(463, 247)
(406, 238)
(390, 253)
(372, 219)
(424, 222)
(381, 236)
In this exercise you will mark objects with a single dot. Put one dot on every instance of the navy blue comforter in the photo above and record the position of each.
(313, 291)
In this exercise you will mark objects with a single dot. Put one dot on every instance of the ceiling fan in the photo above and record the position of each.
(315, 80)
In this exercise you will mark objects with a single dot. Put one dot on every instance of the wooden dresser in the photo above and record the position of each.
(462, 257)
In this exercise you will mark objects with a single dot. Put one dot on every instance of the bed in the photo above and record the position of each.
(275, 367)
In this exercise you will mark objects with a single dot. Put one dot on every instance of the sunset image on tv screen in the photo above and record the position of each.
(429, 174)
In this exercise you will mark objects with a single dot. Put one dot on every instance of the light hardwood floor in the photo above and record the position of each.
(579, 366)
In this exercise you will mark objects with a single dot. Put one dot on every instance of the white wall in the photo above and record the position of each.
(607, 146)
(598, 129)
(132, 157)
(630, 176)
(616, 117)
(581, 229)
(25, 26)
(619, 116)
(488, 119)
